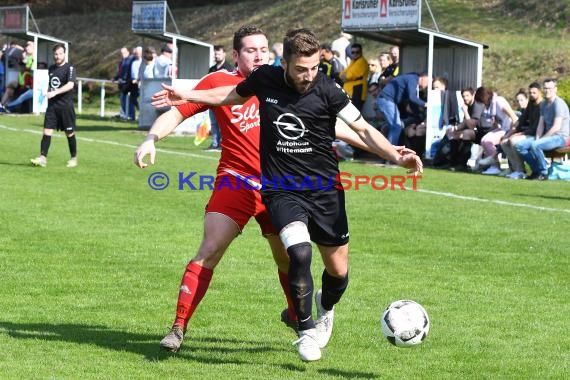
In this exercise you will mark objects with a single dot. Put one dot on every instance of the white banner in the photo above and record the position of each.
(149, 17)
(380, 14)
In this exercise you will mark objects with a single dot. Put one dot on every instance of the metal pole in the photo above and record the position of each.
(79, 96)
(102, 114)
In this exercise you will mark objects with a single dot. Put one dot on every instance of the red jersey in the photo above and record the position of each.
(239, 126)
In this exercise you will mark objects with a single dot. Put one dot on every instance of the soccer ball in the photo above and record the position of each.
(405, 323)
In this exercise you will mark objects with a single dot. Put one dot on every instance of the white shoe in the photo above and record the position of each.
(493, 170)
(39, 161)
(72, 162)
(489, 160)
(517, 175)
(324, 322)
(307, 345)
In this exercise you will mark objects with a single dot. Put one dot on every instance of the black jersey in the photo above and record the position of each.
(297, 130)
(58, 77)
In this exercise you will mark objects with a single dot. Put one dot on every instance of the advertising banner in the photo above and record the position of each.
(149, 17)
(13, 19)
(380, 14)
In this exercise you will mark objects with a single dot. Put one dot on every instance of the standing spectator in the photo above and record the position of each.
(133, 85)
(146, 69)
(525, 127)
(60, 114)
(163, 63)
(221, 64)
(403, 88)
(122, 78)
(385, 61)
(495, 120)
(29, 55)
(355, 77)
(340, 45)
(277, 50)
(330, 65)
(14, 54)
(374, 71)
(551, 133)
(395, 65)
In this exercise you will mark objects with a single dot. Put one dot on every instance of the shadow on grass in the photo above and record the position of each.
(556, 197)
(203, 350)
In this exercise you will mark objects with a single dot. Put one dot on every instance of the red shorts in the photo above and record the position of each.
(239, 203)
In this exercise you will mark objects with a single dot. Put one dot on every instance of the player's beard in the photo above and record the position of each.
(301, 87)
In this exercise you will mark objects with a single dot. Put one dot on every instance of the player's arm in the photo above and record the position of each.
(63, 89)
(345, 133)
(376, 142)
(162, 127)
(218, 96)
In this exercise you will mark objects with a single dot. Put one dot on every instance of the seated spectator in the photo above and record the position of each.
(17, 93)
(525, 127)
(496, 119)
(551, 133)
(374, 71)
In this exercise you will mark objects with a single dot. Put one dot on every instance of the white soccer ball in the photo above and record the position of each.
(405, 323)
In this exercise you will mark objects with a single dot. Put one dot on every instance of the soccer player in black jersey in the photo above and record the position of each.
(299, 107)
(60, 114)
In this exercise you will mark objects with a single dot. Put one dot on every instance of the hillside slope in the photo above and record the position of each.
(523, 46)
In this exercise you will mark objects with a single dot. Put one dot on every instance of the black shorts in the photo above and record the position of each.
(479, 133)
(61, 119)
(322, 211)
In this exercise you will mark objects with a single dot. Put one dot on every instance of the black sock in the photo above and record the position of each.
(301, 283)
(44, 146)
(333, 289)
(72, 145)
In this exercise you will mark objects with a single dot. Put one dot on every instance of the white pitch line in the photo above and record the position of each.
(439, 193)
(495, 201)
(108, 142)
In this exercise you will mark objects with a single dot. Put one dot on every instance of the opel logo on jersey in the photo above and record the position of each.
(55, 82)
(290, 126)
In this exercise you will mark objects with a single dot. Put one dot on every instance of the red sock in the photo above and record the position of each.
(284, 280)
(193, 287)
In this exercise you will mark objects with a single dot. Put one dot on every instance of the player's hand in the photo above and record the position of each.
(403, 150)
(147, 147)
(167, 97)
(411, 162)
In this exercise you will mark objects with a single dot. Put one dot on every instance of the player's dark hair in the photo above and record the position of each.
(218, 47)
(301, 42)
(57, 46)
(468, 89)
(244, 31)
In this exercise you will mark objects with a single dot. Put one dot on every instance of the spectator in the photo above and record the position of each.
(14, 54)
(23, 92)
(395, 65)
(146, 69)
(29, 55)
(221, 64)
(462, 135)
(496, 119)
(525, 127)
(340, 45)
(133, 86)
(374, 71)
(163, 63)
(395, 93)
(355, 77)
(122, 79)
(330, 65)
(277, 49)
(551, 133)
(385, 61)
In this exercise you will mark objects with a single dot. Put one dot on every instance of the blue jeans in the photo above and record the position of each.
(24, 96)
(532, 151)
(391, 114)
(215, 130)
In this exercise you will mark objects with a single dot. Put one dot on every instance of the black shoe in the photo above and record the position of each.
(460, 168)
(533, 176)
(542, 177)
